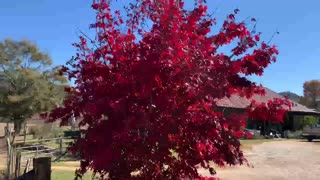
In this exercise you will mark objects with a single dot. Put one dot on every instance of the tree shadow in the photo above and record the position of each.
(317, 141)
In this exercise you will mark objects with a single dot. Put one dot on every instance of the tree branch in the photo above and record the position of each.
(8, 77)
(272, 37)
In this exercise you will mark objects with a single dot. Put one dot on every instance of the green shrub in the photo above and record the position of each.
(34, 130)
(46, 131)
(295, 135)
(309, 121)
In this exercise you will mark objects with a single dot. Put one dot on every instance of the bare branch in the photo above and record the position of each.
(85, 35)
(272, 37)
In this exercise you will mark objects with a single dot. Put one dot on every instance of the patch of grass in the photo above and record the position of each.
(66, 163)
(66, 158)
(247, 144)
(60, 175)
(29, 137)
(54, 144)
(58, 163)
(68, 175)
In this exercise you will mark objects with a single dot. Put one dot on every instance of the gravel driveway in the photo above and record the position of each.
(277, 160)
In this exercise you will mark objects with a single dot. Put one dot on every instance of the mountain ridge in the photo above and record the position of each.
(292, 96)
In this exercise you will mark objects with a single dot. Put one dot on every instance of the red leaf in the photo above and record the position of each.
(44, 116)
(231, 17)
(95, 6)
(158, 80)
(256, 37)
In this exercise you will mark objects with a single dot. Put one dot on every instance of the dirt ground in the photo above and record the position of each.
(277, 160)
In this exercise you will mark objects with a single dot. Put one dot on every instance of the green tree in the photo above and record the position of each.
(29, 84)
(309, 121)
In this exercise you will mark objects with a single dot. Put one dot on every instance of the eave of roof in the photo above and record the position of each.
(236, 101)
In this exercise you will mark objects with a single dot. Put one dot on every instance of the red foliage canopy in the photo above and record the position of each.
(273, 110)
(147, 97)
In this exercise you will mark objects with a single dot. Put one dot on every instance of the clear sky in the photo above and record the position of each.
(53, 26)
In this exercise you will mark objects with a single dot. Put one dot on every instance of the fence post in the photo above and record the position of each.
(42, 168)
(25, 133)
(13, 155)
(60, 144)
(27, 167)
(18, 165)
(37, 149)
(8, 157)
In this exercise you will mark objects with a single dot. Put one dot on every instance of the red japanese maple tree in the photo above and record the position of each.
(147, 96)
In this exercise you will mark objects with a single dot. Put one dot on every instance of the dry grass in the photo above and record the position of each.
(249, 143)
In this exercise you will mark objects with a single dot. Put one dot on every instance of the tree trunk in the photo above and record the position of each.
(25, 132)
(263, 128)
(17, 126)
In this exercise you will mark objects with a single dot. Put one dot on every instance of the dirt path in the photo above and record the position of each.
(278, 160)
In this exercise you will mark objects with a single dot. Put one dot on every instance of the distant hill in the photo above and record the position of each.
(292, 96)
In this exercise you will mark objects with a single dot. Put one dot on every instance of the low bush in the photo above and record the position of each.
(295, 135)
(46, 131)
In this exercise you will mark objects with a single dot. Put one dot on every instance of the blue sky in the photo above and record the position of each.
(53, 26)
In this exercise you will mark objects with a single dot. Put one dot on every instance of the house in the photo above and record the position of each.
(292, 120)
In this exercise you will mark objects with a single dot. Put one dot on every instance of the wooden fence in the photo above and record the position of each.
(21, 154)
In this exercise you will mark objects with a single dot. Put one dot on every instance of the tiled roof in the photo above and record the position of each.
(236, 101)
